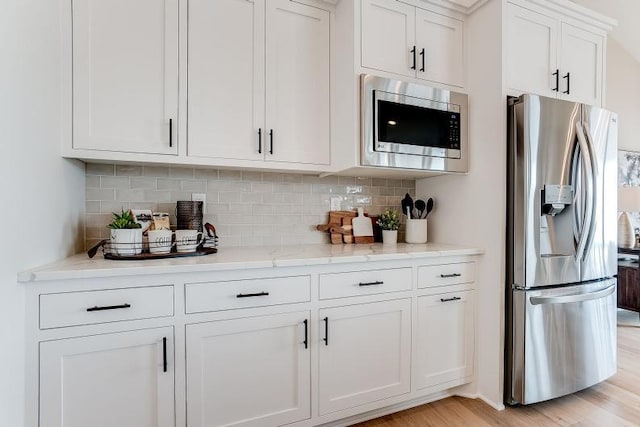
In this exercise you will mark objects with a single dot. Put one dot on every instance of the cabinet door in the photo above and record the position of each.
(531, 44)
(629, 288)
(226, 78)
(444, 339)
(298, 71)
(581, 56)
(125, 75)
(388, 36)
(108, 380)
(440, 45)
(250, 372)
(364, 353)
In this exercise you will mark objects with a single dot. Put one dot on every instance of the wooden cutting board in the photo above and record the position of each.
(341, 231)
(336, 219)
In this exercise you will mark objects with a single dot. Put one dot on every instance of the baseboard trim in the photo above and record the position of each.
(377, 413)
(497, 406)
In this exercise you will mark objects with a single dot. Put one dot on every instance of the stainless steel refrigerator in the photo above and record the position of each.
(561, 248)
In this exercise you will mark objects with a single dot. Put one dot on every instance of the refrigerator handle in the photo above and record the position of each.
(587, 228)
(578, 204)
(594, 176)
(565, 299)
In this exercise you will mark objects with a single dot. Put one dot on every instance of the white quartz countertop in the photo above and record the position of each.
(80, 266)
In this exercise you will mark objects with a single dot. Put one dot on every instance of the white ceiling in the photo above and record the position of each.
(627, 13)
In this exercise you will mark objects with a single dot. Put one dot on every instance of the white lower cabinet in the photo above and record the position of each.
(364, 353)
(123, 379)
(250, 372)
(444, 345)
(296, 346)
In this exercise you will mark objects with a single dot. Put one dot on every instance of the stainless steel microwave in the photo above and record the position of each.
(412, 126)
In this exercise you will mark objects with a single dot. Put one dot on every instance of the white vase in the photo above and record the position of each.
(126, 241)
(626, 236)
(389, 237)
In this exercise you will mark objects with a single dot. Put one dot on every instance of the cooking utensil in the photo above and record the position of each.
(407, 205)
(421, 206)
(429, 206)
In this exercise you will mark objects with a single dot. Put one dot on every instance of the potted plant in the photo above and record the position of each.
(389, 221)
(126, 234)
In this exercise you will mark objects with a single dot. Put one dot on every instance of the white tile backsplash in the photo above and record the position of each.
(247, 207)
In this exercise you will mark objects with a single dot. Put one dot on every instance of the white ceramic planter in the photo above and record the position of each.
(389, 237)
(126, 241)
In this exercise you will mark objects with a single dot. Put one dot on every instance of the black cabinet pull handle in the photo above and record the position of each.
(371, 283)
(306, 333)
(271, 141)
(108, 307)
(326, 331)
(557, 75)
(446, 276)
(450, 299)
(164, 354)
(259, 294)
(568, 77)
(170, 132)
(259, 140)
(413, 51)
(422, 55)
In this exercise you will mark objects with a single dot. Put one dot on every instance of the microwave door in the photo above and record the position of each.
(411, 125)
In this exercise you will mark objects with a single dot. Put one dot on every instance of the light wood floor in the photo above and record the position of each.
(615, 402)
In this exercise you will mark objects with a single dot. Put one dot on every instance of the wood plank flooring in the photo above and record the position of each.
(615, 402)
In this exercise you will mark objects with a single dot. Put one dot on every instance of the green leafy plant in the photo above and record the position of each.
(123, 220)
(389, 220)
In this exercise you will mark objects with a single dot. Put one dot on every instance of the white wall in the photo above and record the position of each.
(42, 194)
(471, 209)
(623, 94)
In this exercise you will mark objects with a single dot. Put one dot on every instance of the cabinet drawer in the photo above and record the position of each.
(215, 296)
(111, 305)
(445, 274)
(355, 283)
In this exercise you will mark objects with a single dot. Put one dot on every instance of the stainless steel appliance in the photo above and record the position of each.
(408, 125)
(561, 248)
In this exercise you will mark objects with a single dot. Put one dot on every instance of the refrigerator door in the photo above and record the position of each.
(600, 131)
(564, 340)
(543, 210)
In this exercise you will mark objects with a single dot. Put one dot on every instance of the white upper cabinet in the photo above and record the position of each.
(440, 44)
(547, 56)
(531, 57)
(403, 39)
(125, 75)
(225, 78)
(259, 81)
(297, 83)
(389, 50)
(581, 62)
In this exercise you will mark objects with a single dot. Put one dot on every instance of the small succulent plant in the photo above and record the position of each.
(124, 219)
(389, 220)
